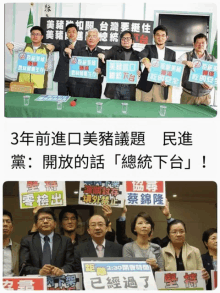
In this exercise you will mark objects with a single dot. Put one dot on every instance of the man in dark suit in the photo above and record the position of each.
(65, 85)
(148, 91)
(45, 252)
(10, 248)
(98, 246)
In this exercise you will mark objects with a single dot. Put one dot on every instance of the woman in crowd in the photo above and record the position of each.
(142, 226)
(209, 259)
(178, 254)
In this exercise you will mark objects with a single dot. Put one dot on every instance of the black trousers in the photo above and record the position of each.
(67, 89)
(88, 91)
(40, 91)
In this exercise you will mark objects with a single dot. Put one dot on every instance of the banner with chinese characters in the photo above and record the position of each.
(31, 63)
(214, 279)
(145, 193)
(169, 72)
(101, 192)
(204, 72)
(42, 193)
(121, 71)
(110, 29)
(65, 282)
(25, 283)
(181, 280)
(83, 67)
(118, 274)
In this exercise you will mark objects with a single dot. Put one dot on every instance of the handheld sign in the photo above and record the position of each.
(169, 72)
(101, 193)
(42, 193)
(124, 72)
(109, 273)
(204, 72)
(145, 193)
(83, 67)
(180, 280)
(31, 63)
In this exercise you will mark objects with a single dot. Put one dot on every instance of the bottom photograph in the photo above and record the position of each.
(89, 235)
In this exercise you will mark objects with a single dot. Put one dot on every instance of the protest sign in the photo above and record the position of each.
(31, 63)
(83, 67)
(181, 280)
(204, 72)
(65, 282)
(124, 72)
(42, 193)
(169, 72)
(24, 283)
(117, 274)
(145, 193)
(101, 192)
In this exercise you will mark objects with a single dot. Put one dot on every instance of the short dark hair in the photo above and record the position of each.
(44, 210)
(160, 28)
(200, 36)
(38, 28)
(126, 32)
(67, 209)
(71, 25)
(106, 220)
(206, 234)
(174, 222)
(144, 215)
(7, 213)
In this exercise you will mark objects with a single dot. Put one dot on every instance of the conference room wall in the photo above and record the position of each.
(197, 212)
(16, 16)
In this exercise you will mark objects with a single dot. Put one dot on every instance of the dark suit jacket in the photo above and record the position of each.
(87, 249)
(31, 253)
(150, 51)
(117, 53)
(62, 70)
(207, 263)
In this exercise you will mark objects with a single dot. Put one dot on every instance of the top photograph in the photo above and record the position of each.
(109, 60)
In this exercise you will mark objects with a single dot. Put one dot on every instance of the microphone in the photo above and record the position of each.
(73, 103)
(22, 267)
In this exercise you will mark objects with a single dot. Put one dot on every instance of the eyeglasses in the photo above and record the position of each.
(37, 35)
(49, 219)
(126, 39)
(93, 225)
(177, 232)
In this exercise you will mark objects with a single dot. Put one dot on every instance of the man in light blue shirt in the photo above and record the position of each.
(10, 248)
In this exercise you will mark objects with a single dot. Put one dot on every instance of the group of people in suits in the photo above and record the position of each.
(147, 91)
(45, 252)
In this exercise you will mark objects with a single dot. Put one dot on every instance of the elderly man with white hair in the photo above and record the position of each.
(89, 88)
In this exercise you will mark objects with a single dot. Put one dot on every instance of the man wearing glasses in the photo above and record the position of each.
(39, 80)
(10, 248)
(123, 52)
(98, 246)
(45, 252)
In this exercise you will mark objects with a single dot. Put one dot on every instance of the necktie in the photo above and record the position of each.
(46, 252)
(100, 250)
